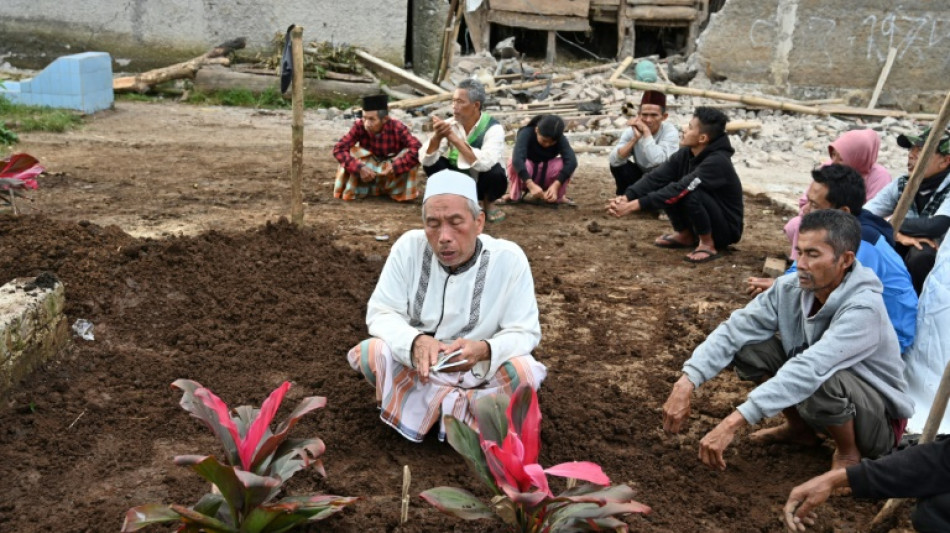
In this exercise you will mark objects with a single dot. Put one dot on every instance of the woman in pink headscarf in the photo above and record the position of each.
(858, 150)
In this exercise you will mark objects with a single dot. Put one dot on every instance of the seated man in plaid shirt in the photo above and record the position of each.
(378, 156)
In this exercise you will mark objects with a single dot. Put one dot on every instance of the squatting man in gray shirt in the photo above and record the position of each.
(834, 369)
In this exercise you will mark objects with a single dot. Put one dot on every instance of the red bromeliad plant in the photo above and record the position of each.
(257, 462)
(504, 455)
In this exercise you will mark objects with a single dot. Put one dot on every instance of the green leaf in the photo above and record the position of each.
(219, 475)
(207, 523)
(594, 524)
(260, 517)
(209, 504)
(257, 489)
(308, 509)
(202, 412)
(142, 516)
(491, 411)
(589, 492)
(457, 502)
(465, 441)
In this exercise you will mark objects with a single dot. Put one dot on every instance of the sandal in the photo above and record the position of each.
(669, 241)
(504, 200)
(709, 256)
(495, 215)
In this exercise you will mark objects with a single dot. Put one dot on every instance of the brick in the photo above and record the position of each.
(32, 328)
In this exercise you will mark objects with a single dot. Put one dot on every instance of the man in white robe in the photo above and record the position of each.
(447, 289)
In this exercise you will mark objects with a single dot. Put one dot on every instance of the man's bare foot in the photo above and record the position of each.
(843, 460)
(785, 434)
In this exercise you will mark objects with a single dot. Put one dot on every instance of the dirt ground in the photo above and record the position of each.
(163, 222)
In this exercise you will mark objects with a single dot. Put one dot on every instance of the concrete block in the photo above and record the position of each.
(32, 326)
(774, 267)
(80, 81)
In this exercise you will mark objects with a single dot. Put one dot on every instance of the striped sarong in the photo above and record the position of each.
(400, 187)
(412, 407)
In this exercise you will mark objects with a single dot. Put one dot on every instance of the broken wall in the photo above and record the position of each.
(801, 47)
(141, 33)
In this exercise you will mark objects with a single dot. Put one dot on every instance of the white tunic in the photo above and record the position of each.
(490, 298)
(490, 153)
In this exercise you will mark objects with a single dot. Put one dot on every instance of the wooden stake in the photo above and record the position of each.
(406, 479)
(715, 95)
(917, 176)
(934, 418)
(891, 54)
(296, 160)
(551, 53)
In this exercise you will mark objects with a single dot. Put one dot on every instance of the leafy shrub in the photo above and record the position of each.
(257, 462)
(504, 455)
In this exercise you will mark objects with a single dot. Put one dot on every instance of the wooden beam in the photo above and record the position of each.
(662, 13)
(538, 22)
(565, 8)
(403, 75)
(891, 54)
(715, 95)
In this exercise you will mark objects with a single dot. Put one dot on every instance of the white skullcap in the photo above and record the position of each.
(450, 182)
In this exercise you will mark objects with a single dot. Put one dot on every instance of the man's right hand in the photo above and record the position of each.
(758, 285)
(676, 408)
(799, 510)
(366, 174)
(425, 353)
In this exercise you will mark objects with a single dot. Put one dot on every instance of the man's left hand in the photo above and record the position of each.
(916, 242)
(716, 441)
(386, 170)
(472, 352)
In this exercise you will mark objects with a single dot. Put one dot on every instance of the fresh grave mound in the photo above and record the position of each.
(93, 433)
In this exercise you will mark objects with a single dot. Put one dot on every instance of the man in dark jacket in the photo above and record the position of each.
(698, 187)
(921, 472)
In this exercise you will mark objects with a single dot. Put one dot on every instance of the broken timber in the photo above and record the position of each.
(142, 83)
(416, 82)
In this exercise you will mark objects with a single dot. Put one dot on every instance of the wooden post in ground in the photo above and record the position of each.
(296, 160)
(552, 48)
(917, 176)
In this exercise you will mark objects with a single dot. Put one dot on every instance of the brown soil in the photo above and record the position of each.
(162, 222)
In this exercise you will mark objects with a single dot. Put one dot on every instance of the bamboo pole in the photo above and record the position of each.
(715, 95)
(623, 66)
(937, 411)
(296, 160)
(891, 54)
(406, 480)
(917, 176)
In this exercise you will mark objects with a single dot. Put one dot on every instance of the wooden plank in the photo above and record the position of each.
(537, 22)
(661, 13)
(404, 75)
(564, 8)
(691, 3)
(604, 3)
(891, 54)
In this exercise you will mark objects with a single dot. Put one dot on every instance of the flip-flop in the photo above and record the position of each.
(705, 259)
(495, 215)
(504, 200)
(567, 202)
(667, 241)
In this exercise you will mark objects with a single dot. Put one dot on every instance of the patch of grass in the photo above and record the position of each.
(136, 97)
(25, 118)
